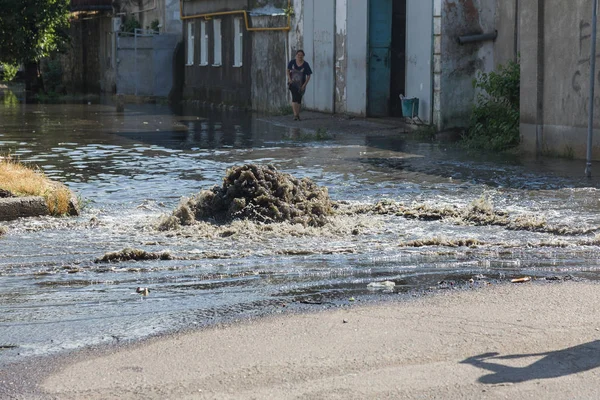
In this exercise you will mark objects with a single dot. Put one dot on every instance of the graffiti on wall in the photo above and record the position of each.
(579, 96)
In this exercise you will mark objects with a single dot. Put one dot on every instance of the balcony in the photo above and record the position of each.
(91, 5)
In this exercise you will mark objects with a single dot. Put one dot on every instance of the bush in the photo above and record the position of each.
(52, 73)
(9, 72)
(494, 123)
(130, 25)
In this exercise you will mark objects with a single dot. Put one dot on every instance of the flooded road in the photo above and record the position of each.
(131, 170)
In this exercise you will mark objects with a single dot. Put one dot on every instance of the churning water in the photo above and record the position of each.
(131, 169)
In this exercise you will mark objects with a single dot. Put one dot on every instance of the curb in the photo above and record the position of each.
(32, 206)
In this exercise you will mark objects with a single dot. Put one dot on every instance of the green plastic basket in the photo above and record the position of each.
(410, 107)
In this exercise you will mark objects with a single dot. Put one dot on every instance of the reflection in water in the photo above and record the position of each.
(132, 168)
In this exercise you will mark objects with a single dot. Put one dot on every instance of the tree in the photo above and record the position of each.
(32, 29)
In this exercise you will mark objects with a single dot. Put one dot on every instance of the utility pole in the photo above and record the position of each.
(588, 166)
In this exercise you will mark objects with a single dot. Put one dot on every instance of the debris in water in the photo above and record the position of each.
(129, 254)
(381, 285)
(443, 242)
(259, 193)
(521, 280)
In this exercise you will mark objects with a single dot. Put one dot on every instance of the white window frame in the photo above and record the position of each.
(203, 44)
(190, 44)
(217, 46)
(238, 42)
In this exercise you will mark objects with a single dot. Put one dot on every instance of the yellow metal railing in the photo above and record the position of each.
(244, 12)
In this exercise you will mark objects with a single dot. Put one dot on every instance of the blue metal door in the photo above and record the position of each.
(380, 41)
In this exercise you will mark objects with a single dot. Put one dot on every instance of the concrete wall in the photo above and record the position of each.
(269, 60)
(357, 49)
(145, 65)
(461, 63)
(555, 72)
(319, 46)
(419, 51)
(341, 56)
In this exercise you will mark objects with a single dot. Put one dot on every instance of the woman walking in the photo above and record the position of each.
(299, 73)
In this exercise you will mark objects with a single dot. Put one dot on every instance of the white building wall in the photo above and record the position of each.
(419, 52)
(357, 54)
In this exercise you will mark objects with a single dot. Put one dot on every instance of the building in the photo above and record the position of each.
(103, 58)
(555, 39)
(364, 53)
(236, 52)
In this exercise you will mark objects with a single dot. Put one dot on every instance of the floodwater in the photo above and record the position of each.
(131, 170)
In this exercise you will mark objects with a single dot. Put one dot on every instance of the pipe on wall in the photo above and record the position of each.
(248, 28)
(478, 37)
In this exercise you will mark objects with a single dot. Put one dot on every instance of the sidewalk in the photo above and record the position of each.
(341, 124)
(533, 340)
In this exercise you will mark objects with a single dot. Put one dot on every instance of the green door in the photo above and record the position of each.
(380, 41)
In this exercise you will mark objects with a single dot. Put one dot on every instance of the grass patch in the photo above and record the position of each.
(284, 110)
(22, 180)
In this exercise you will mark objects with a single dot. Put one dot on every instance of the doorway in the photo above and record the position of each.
(398, 57)
(387, 57)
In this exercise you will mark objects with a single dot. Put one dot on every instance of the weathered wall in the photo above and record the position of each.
(225, 83)
(269, 60)
(461, 63)
(555, 92)
(319, 46)
(88, 62)
(145, 65)
(341, 64)
(419, 51)
(357, 51)
(172, 21)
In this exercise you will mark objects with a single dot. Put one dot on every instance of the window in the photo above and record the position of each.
(238, 37)
(190, 43)
(203, 44)
(217, 47)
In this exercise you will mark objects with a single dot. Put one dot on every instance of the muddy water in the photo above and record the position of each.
(132, 169)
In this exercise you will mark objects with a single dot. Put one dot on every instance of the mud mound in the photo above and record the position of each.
(259, 193)
(132, 255)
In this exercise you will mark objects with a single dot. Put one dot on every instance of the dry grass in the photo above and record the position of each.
(22, 180)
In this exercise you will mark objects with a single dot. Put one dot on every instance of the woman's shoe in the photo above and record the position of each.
(296, 118)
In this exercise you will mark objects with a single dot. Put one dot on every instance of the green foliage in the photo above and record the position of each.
(284, 110)
(494, 123)
(10, 72)
(32, 29)
(52, 73)
(130, 25)
(289, 11)
(154, 25)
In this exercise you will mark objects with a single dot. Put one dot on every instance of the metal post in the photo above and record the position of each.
(135, 33)
(588, 167)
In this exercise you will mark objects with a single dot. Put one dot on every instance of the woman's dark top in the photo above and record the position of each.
(299, 73)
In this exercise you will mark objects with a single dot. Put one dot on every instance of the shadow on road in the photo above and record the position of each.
(552, 364)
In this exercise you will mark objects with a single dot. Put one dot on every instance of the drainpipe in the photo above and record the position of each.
(588, 166)
(248, 28)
